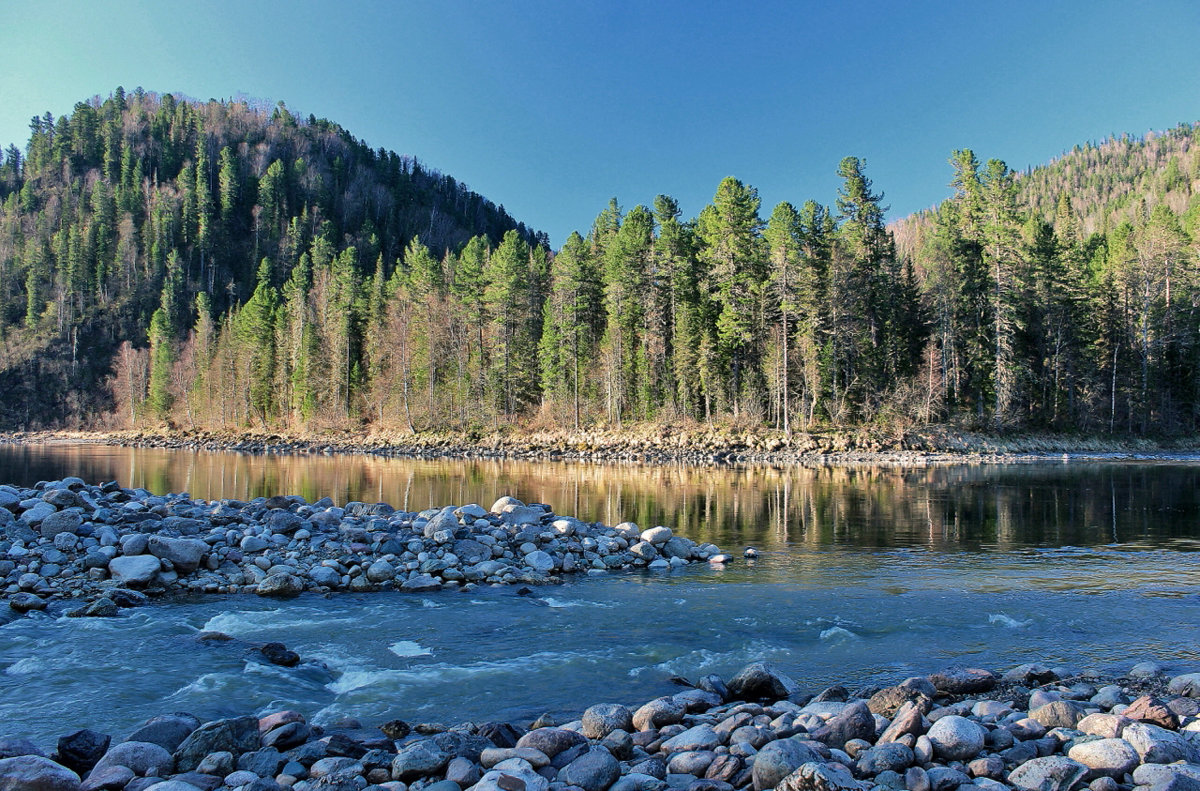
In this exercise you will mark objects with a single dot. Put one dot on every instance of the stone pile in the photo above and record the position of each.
(111, 546)
(957, 730)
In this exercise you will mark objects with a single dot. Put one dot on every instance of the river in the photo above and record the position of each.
(866, 575)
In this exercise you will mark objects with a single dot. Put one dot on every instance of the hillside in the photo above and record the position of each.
(142, 200)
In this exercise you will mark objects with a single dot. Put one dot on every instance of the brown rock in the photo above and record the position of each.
(1150, 709)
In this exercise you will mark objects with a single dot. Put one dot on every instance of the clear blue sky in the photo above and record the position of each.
(551, 107)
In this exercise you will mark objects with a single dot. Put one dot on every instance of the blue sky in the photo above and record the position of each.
(551, 108)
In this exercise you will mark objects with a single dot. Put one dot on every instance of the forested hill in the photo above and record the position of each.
(221, 267)
(144, 201)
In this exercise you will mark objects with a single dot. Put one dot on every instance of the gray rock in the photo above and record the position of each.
(551, 741)
(494, 755)
(24, 602)
(60, 522)
(853, 722)
(540, 561)
(280, 584)
(762, 681)
(325, 576)
(380, 571)
(778, 759)
(144, 758)
(1059, 714)
(963, 680)
(250, 544)
(894, 757)
(463, 771)
(657, 713)
(420, 584)
(956, 738)
(184, 554)
(512, 778)
(945, 778)
(264, 762)
(1029, 674)
(604, 718)
(820, 777)
(36, 773)
(1052, 773)
(1157, 745)
(908, 720)
(173, 785)
(112, 778)
(698, 737)
(167, 731)
(1156, 774)
(1111, 757)
(217, 764)
(419, 759)
(470, 551)
(595, 770)
(82, 750)
(1187, 685)
(691, 762)
(1106, 726)
(236, 735)
(35, 515)
(136, 571)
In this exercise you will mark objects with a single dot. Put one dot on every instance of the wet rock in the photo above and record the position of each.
(279, 654)
(963, 680)
(1052, 773)
(421, 583)
(82, 750)
(112, 778)
(184, 554)
(236, 735)
(36, 773)
(143, 758)
(956, 738)
(24, 602)
(604, 718)
(11, 747)
(167, 731)
(762, 681)
(280, 584)
(136, 571)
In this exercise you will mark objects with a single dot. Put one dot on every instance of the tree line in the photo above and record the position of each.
(274, 272)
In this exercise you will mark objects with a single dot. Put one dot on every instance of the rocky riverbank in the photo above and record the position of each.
(99, 548)
(962, 729)
(648, 444)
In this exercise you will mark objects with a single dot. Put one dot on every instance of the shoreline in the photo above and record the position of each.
(110, 547)
(1032, 728)
(656, 445)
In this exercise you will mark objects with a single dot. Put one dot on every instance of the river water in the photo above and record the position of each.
(866, 575)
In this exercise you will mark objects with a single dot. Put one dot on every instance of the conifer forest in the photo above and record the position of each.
(226, 266)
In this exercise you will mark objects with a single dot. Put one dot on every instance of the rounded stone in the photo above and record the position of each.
(956, 738)
(604, 718)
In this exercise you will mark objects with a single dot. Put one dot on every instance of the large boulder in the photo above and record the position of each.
(963, 680)
(36, 773)
(167, 731)
(762, 681)
(853, 722)
(184, 554)
(1157, 745)
(280, 584)
(136, 571)
(236, 735)
(143, 758)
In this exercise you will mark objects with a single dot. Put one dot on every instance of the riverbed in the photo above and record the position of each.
(866, 575)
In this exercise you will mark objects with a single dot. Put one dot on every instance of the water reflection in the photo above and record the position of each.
(944, 508)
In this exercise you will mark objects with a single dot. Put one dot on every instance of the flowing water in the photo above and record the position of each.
(866, 575)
